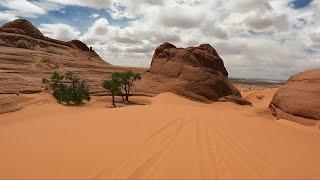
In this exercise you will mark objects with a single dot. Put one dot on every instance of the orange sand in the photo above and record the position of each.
(172, 138)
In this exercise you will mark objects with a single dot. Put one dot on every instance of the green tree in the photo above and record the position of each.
(68, 88)
(128, 79)
(119, 77)
(113, 85)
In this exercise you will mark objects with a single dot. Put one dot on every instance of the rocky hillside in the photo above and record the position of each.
(194, 72)
(27, 56)
(21, 33)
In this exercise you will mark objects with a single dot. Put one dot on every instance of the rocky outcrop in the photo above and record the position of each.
(236, 100)
(299, 97)
(22, 27)
(194, 72)
(80, 45)
(27, 56)
(21, 33)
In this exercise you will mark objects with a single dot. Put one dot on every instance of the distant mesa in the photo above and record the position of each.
(194, 72)
(299, 98)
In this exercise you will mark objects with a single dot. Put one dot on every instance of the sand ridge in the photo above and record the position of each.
(170, 138)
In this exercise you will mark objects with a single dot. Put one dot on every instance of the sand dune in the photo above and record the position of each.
(170, 138)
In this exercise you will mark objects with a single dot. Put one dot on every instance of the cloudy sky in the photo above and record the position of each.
(256, 38)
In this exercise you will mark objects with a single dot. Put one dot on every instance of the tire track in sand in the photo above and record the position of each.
(149, 138)
(148, 165)
(150, 152)
(207, 170)
(220, 153)
(229, 146)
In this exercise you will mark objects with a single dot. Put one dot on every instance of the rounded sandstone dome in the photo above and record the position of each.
(300, 97)
(21, 26)
(193, 72)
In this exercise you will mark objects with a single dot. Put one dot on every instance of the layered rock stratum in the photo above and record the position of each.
(194, 72)
(27, 56)
(299, 97)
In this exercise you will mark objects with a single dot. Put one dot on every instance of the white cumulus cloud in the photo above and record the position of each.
(60, 31)
(255, 38)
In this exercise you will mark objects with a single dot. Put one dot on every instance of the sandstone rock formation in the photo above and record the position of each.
(21, 33)
(194, 72)
(299, 98)
(22, 27)
(236, 100)
(27, 56)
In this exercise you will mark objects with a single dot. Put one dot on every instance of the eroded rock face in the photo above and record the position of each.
(27, 56)
(236, 100)
(194, 72)
(22, 27)
(21, 33)
(299, 97)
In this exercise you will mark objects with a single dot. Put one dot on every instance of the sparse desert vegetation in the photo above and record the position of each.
(67, 88)
(121, 84)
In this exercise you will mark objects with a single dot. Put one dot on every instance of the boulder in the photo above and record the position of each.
(194, 72)
(299, 97)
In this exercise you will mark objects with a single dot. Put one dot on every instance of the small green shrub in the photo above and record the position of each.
(68, 88)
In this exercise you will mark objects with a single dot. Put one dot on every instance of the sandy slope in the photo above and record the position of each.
(170, 138)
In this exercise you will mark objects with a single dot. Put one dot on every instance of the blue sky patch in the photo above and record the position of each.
(297, 4)
(75, 16)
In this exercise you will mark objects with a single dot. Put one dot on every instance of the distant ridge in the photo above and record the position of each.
(23, 34)
(260, 82)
